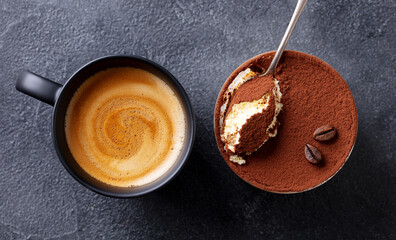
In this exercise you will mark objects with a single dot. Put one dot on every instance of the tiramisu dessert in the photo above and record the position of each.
(289, 132)
(249, 118)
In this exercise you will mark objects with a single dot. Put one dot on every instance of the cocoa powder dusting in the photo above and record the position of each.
(314, 94)
(253, 133)
(252, 90)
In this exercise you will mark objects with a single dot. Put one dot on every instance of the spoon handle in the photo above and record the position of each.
(296, 15)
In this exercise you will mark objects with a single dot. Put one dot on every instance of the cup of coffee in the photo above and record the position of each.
(123, 126)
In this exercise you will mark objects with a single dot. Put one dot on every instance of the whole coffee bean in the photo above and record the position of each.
(324, 133)
(312, 154)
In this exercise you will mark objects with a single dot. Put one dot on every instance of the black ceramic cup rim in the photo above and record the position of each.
(167, 177)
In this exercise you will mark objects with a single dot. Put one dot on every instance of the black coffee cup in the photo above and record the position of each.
(59, 96)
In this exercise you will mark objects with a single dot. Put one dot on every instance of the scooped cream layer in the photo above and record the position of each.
(249, 114)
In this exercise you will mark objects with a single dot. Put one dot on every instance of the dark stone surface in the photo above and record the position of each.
(200, 42)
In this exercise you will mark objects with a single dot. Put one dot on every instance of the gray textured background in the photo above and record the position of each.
(200, 42)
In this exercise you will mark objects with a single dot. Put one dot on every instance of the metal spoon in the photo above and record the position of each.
(296, 15)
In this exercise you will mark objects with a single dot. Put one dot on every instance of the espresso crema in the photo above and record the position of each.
(125, 127)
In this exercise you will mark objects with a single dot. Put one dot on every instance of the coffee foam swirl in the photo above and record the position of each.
(125, 127)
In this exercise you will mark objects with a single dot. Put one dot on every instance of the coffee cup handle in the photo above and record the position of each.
(38, 87)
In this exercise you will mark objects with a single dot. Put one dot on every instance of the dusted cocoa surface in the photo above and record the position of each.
(252, 90)
(313, 94)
